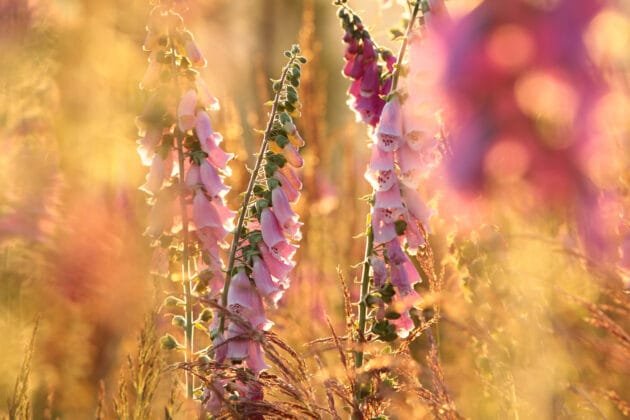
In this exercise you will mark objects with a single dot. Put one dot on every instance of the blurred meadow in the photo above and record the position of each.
(528, 326)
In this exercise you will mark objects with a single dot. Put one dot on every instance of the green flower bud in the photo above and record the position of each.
(168, 342)
(205, 315)
(179, 321)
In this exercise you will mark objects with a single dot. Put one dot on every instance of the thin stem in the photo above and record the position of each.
(365, 283)
(403, 46)
(369, 245)
(248, 195)
(189, 332)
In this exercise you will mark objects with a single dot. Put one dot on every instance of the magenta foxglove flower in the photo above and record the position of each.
(369, 67)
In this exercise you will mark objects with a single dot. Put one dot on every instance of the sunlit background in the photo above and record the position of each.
(529, 329)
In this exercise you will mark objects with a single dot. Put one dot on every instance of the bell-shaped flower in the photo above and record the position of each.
(206, 99)
(288, 219)
(293, 156)
(148, 143)
(412, 166)
(395, 254)
(370, 80)
(271, 230)
(156, 176)
(289, 189)
(193, 53)
(379, 271)
(400, 279)
(290, 174)
(381, 180)
(193, 177)
(389, 132)
(244, 301)
(414, 237)
(186, 110)
(278, 269)
(383, 227)
(211, 180)
(203, 126)
(381, 160)
(404, 324)
(269, 289)
(256, 363)
(354, 67)
(389, 199)
(417, 208)
(212, 214)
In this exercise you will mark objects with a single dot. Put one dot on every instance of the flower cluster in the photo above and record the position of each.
(403, 153)
(189, 219)
(268, 228)
(405, 150)
(369, 67)
(177, 140)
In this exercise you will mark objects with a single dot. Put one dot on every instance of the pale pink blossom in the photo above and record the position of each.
(389, 132)
(186, 110)
(269, 289)
(288, 219)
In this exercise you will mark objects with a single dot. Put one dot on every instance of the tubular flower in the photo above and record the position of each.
(369, 67)
(167, 121)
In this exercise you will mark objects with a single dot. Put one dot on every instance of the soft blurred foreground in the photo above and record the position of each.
(530, 326)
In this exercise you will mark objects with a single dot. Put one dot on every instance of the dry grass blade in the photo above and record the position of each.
(142, 374)
(100, 404)
(20, 403)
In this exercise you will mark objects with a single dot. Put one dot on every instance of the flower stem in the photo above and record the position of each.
(186, 280)
(248, 194)
(365, 283)
(403, 46)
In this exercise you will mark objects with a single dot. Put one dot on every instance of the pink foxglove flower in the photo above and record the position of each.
(186, 177)
(266, 236)
(404, 154)
(204, 174)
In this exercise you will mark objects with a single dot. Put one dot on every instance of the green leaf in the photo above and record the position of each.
(261, 204)
(273, 183)
(392, 315)
(401, 226)
(285, 118)
(255, 237)
(281, 140)
(270, 169)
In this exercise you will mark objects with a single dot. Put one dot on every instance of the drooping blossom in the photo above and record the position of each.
(406, 148)
(266, 246)
(369, 68)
